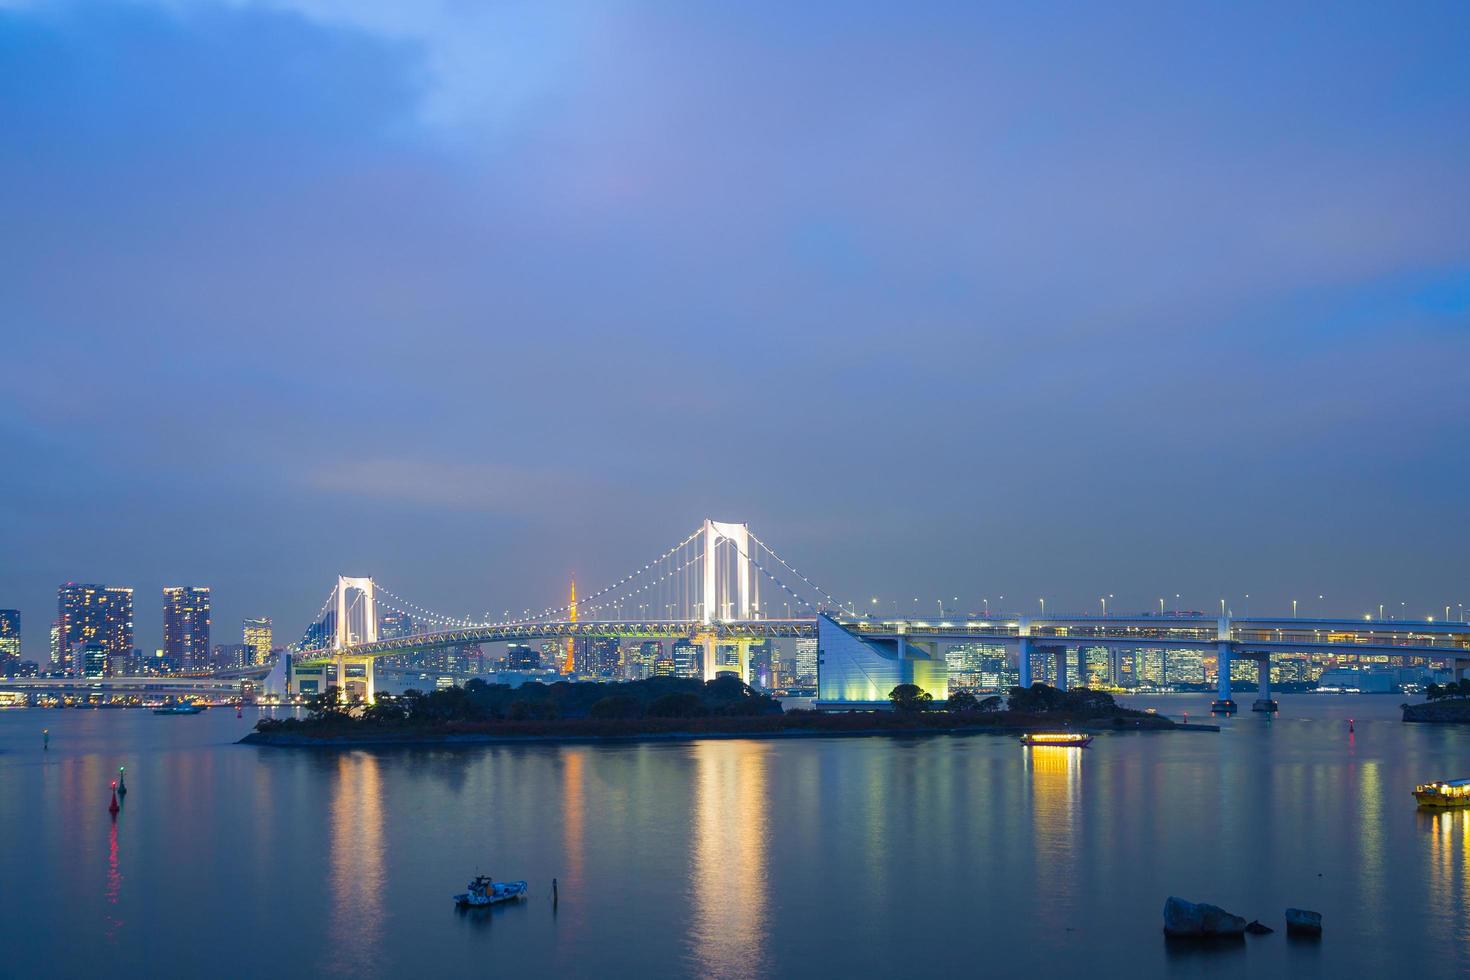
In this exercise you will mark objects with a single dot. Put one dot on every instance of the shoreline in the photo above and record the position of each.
(383, 740)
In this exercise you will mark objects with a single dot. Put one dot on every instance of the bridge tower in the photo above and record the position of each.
(715, 596)
(342, 632)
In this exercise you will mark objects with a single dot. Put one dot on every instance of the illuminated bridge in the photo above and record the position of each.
(708, 589)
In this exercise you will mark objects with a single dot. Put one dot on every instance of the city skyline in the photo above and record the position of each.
(1071, 304)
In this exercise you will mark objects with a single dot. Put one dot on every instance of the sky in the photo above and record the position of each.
(954, 299)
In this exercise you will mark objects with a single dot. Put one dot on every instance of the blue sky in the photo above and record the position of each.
(969, 299)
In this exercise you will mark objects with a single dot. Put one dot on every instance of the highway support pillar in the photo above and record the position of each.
(1222, 703)
(1264, 701)
(1023, 661)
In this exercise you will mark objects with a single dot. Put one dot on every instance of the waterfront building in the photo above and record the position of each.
(256, 634)
(860, 670)
(91, 614)
(662, 667)
(186, 626)
(9, 637)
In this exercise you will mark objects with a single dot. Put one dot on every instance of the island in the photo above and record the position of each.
(1444, 704)
(676, 708)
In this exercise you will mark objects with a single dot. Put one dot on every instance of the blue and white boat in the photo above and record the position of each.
(483, 892)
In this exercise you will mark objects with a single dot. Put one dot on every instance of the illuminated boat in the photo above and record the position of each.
(1444, 793)
(179, 708)
(482, 892)
(1064, 740)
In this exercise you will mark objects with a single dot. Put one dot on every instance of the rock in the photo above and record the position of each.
(1258, 928)
(1183, 918)
(1303, 922)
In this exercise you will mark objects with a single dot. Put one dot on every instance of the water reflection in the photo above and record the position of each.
(1055, 775)
(357, 878)
(1449, 870)
(114, 883)
(729, 875)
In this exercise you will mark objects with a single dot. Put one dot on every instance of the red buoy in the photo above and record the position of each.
(112, 807)
(1350, 725)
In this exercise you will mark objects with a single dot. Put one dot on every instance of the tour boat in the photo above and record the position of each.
(1066, 740)
(483, 892)
(1444, 792)
(179, 708)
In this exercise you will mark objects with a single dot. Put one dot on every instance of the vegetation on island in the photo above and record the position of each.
(1454, 689)
(670, 706)
(1443, 704)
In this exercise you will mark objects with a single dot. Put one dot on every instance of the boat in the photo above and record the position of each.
(179, 708)
(1444, 793)
(1064, 740)
(482, 892)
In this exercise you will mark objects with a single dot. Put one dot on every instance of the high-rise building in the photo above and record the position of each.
(806, 661)
(98, 614)
(186, 626)
(9, 636)
(228, 656)
(257, 636)
(392, 625)
(519, 656)
(688, 659)
(604, 658)
(91, 658)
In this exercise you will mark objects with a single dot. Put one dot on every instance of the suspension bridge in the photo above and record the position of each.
(724, 589)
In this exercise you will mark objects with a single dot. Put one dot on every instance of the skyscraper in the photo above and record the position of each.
(186, 626)
(98, 614)
(257, 636)
(688, 659)
(9, 636)
(519, 656)
(392, 625)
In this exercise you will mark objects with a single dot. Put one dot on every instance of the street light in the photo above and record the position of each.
(1293, 609)
(1043, 607)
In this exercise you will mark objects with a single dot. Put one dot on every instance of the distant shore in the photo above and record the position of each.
(805, 725)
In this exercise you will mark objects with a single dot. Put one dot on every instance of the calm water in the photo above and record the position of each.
(867, 857)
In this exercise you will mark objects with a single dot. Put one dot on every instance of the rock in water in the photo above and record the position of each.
(1303, 922)
(1183, 918)
(1258, 928)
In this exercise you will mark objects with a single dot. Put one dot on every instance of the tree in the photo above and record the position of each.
(326, 704)
(615, 706)
(963, 701)
(991, 703)
(684, 705)
(910, 697)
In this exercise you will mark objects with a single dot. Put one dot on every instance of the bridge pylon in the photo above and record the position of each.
(342, 637)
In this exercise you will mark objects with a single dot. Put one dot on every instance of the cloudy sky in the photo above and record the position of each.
(944, 299)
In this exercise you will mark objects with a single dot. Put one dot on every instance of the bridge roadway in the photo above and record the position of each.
(1355, 636)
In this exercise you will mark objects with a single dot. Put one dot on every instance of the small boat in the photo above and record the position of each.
(1444, 793)
(482, 892)
(179, 708)
(1064, 740)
